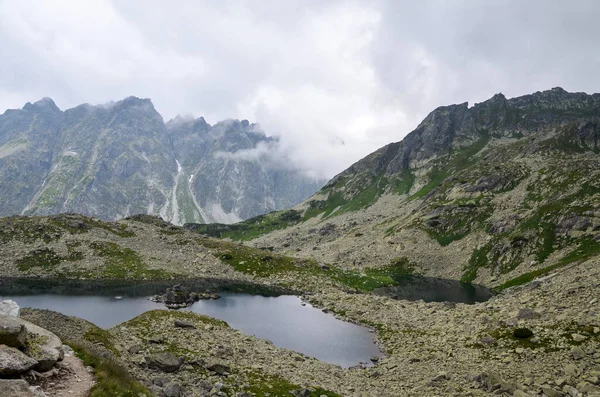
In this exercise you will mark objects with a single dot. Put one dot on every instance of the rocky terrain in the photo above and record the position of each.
(504, 193)
(34, 362)
(496, 193)
(120, 159)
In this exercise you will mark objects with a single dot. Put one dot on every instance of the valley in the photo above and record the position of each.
(504, 195)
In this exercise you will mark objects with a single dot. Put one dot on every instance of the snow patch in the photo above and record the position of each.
(191, 177)
(70, 153)
(178, 167)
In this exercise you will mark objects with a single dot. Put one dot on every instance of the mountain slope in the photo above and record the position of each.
(120, 159)
(497, 193)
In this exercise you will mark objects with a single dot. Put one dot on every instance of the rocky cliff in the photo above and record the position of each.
(120, 159)
(497, 193)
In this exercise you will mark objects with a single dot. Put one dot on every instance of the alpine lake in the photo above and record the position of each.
(283, 319)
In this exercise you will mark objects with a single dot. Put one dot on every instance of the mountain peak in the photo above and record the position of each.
(135, 101)
(43, 104)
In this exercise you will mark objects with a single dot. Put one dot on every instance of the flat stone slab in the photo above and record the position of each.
(14, 362)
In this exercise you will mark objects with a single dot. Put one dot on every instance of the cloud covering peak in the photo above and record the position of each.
(333, 80)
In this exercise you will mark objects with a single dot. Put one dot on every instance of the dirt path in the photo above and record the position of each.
(73, 379)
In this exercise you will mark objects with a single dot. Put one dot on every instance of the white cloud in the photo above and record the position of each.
(334, 80)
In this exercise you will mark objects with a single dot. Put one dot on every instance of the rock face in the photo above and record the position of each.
(484, 194)
(118, 160)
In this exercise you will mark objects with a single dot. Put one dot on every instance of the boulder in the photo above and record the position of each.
(18, 388)
(12, 332)
(43, 346)
(173, 390)
(220, 369)
(528, 314)
(13, 362)
(183, 324)
(164, 361)
(9, 308)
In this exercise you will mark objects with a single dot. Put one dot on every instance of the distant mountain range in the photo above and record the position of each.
(112, 161)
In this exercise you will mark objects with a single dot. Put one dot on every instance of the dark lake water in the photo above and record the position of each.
(281, 319)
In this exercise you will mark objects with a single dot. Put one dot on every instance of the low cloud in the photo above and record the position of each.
(331, 80)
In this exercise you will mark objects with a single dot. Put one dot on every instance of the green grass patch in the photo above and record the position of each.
(265, 385)
(373, 278)
(124, 263)
(43, 258)
(101, 337)
(587, 248)
(248, 229)
(147, 319)
(255, 261)
(404, 183)
(112, 379)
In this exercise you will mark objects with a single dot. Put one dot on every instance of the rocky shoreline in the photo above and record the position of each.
(441, 349)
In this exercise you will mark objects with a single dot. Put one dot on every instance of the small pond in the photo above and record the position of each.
(282, 319)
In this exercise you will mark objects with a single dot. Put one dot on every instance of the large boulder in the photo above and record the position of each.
(43, 346)
(12, 332)
(164, 361)
(13, 362)
(9, 308)
(18, 388)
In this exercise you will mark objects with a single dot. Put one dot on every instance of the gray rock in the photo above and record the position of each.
(135, 349)
(18, 388)
(487, 340)
(14, 362)
(160, 382)
(43, 346)
(164, 361)
(183, 324)
(12, 332)
(528, 314)
(301, 393)
(173, 390)
(570, 391)
(551, 392)
(578, 337)
(577, 353)
(221, 369)
(491, 381)
(9, 308)
(520, 393)
(571, 370)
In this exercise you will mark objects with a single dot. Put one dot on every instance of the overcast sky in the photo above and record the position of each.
(335, 80)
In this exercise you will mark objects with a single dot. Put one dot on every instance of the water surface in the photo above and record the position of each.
(282, 320)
